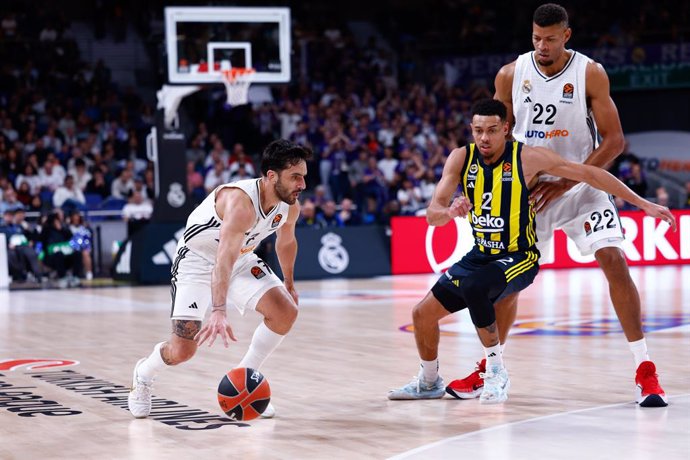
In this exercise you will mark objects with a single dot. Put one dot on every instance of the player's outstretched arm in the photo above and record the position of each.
(238, 215)
(551, 163)
(286, 249)
(439, 212)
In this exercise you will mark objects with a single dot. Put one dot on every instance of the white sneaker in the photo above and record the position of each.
(139, 400)
(270, 411)
(496, 385)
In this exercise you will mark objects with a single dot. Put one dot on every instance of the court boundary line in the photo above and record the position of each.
(420, 449)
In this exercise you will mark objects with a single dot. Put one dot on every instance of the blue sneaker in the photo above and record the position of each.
(496, 385)
(418, 388)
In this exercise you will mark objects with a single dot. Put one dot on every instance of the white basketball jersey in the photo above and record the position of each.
(552, 111)
(202, 232)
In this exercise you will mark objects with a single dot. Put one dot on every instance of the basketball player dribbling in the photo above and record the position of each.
(216, 265)
(496, 178)
(559, 98)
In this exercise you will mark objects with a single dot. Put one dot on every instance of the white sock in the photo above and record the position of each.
(149, 368)
(639, 351)
(503, 348)
(429, 370)
(494, 357)
(263, 343)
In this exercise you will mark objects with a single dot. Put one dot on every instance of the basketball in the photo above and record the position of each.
(243, 394)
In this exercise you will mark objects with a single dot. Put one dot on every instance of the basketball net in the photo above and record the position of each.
(237, 81)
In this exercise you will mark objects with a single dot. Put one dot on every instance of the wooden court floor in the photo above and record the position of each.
(570, 367)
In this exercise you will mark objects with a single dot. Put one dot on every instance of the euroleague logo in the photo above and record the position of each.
(276, 220)
(464, 241)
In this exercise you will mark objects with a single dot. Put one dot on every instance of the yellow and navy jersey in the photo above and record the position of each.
(502, 217)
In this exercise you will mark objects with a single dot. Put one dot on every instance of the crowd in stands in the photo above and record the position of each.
(71, 140)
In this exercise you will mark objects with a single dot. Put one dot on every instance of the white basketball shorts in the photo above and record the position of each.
(191, 284)
(587, 215)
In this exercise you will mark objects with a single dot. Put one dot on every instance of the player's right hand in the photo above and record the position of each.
(659, 212)
(460, 206)
(217, 325)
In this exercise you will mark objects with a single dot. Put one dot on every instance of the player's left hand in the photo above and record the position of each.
(659, 212)
(217, 325)
(545, 192)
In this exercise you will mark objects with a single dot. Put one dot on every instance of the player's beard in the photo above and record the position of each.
(284, 194)
(545, 62)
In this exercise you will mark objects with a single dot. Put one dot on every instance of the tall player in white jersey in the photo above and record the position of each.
(216, 266)
(559, 99)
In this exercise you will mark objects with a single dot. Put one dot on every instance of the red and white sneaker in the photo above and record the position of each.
(648, 392)
(471, 386)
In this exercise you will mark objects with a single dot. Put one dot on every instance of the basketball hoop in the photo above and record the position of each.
(237, 81)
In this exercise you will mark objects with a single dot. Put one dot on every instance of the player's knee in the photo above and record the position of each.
(473, 288)
(476, 293)
(282, 317)
(179, 350)
(612, 260)
(418, 313)
(291, 312)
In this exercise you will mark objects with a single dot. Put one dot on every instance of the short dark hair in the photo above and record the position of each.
(489, 107)
(550, 14)
(282, 154)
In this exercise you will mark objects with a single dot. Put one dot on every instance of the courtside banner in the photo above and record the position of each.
(418, 248)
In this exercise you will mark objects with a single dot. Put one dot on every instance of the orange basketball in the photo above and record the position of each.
(243, 394)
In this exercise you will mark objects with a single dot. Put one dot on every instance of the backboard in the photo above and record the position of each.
(204, 41)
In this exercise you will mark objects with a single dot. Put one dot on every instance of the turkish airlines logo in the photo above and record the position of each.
(31, 364)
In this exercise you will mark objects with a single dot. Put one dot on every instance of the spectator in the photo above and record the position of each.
(59, 255)
(329, 215)
(240, 173)
(51, 175)
(69, 196)
(308, 217)
(82, 236)
(427, 186)
(10, 201)
(687, 199)
(388, 164)
(215, 177)
(410, 198)
(123, 185)
(97, 185)
(195, 183)
(22, 260)
(137, 213)
(81, 175)
(348, 215)
(636, 180)
(24, 194)
(11, 166)
(29, 176)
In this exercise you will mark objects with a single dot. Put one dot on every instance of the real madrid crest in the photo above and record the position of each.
(526, 86)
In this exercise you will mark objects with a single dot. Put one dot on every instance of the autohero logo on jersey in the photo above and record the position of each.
(536, 134)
